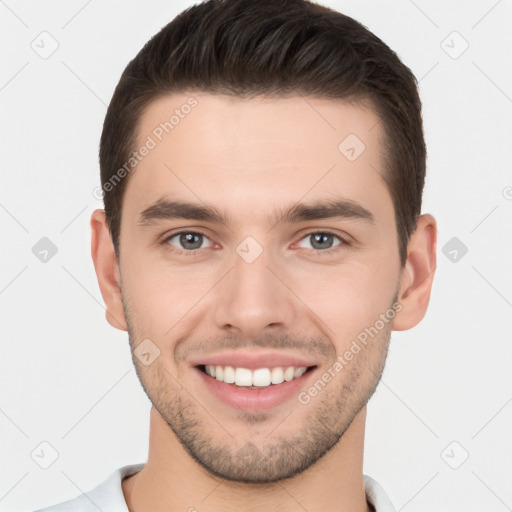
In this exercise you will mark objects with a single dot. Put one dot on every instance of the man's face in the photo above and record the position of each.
(296, 291)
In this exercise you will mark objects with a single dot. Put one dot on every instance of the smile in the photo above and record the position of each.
(256, 390)
(258, 378)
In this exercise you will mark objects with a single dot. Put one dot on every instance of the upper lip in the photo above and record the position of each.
(253, 360)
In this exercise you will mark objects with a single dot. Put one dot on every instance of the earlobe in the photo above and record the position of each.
(418, 274)
(107, 270)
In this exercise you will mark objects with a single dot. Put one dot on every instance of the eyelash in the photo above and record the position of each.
(317, 252)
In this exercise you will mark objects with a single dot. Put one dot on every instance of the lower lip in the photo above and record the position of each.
(255, 400)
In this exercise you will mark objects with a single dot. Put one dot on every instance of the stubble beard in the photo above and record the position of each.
(317, 426)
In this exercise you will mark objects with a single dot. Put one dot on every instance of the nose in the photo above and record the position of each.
(254, 298)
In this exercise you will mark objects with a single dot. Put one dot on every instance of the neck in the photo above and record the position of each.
(172, 481)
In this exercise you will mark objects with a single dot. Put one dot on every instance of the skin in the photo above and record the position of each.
(247, 157)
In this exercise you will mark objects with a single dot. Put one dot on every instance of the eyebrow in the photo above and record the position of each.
(165, 209)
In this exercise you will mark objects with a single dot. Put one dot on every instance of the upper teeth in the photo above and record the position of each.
(262, 377)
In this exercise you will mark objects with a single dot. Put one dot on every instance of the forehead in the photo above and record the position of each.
(251, 154)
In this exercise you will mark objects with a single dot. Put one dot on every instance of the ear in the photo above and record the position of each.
(417, 275)
(107, 270)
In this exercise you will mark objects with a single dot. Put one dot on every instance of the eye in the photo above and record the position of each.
(322, 241)
(188, 241)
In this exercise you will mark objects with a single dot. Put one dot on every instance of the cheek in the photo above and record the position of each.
(345, 300)
(342, 299)
(162, 297)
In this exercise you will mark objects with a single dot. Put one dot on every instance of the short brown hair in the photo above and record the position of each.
(247, 48)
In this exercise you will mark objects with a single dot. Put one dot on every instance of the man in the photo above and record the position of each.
(262, 166)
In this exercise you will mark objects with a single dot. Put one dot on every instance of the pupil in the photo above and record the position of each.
(320, 237)
(190, 238)
(195, 239)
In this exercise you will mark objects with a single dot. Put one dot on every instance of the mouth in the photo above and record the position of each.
(254, 379)
(254, 390)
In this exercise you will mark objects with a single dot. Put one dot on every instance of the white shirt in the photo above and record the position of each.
(108, 496)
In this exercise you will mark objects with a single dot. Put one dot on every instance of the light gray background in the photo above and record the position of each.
(67, 376)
